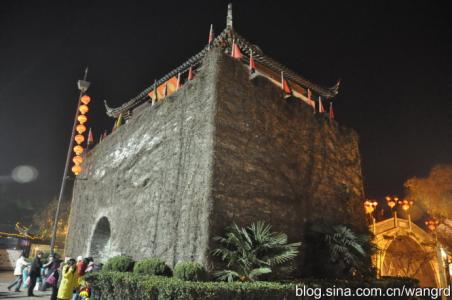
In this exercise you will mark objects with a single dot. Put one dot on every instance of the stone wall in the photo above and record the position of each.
(277, 161)
(151, 180)
(222, 149)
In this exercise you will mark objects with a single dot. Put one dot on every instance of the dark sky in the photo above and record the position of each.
(394, 59)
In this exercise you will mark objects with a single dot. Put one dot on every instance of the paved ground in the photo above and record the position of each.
(6, 278)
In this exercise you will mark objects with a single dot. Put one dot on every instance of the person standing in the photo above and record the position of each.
(35, 272)
(68, 281)
(53, 278)
(21, 263)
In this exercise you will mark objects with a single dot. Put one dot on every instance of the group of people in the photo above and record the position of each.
(66, 278)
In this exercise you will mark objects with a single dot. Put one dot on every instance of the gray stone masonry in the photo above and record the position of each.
(222, 149)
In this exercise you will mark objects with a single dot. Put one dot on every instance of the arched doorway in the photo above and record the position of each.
(405, 257)
(100, 246)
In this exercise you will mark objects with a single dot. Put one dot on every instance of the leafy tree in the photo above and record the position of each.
(253, 251)
(433, 192)
(43, 220)
(338, 252)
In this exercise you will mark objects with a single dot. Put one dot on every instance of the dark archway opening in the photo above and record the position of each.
(100, 241)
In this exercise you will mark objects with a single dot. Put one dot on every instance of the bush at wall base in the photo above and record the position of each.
(152, 266)
(120, 263)
(130, 286)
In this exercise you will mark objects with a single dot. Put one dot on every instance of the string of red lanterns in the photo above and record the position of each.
(79, 138)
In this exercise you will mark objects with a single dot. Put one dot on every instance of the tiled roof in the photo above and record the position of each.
(224, 41)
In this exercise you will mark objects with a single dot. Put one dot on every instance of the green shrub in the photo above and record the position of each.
(337, 252)
(119, 264)
(130, 286)
(190, 271)
(152, 266)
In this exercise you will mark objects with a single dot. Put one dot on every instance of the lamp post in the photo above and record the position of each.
(406, 206)
(369, 208)
(391, 201)
(432, 225)
(83, 86)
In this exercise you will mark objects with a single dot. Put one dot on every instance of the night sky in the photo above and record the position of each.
(393, 57)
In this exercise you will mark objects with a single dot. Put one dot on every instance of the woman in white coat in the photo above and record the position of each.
(21, 263)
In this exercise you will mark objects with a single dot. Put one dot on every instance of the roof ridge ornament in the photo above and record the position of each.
(229, 16)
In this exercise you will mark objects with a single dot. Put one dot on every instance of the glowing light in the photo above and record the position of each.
(85, 99)
(78, 150)
(80, 128)
(83, 109)
(79, 138)
(432, 224)
(406, 204)
(76, 169)
(370, 206)
(391, 201)
(82, 119)
(24, 174)
(77, 160)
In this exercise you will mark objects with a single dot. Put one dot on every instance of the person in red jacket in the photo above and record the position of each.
(82, 263)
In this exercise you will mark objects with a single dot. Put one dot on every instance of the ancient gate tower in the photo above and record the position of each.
(197, 155)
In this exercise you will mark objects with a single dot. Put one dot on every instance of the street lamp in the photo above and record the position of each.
(431, 224)
(82, 107)
(406, 206)
(370, 206)
(391, 201)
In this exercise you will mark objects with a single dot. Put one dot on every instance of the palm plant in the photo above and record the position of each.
(348, 253)
(253, 251)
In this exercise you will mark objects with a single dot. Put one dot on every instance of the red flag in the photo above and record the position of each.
(90, 138)
(311, 102)
(103, 136)
(321, 109)
(235, 52)
(331, 111)
(190, 73)
(178, 82)
(165, 90)
(156, 96)
(211, 34)
(252, 64)
(285, 85)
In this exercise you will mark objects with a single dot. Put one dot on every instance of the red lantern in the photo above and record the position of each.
(80, 128)
(78, 150)
(83, 109)
(85, 99)
(79, 139)
(77, 160)
(76, 169)
(82, 119)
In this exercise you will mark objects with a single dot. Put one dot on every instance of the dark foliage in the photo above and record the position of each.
(119, 264)
(336, 251)
(152, 266)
